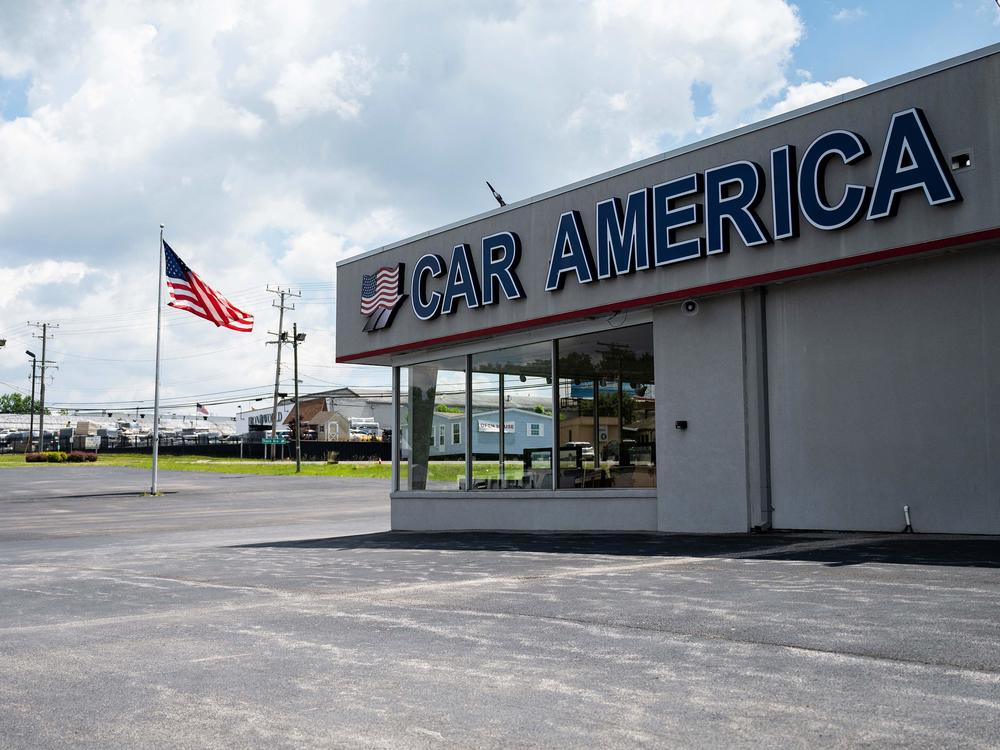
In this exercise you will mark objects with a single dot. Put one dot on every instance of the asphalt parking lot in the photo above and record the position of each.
(248, 611)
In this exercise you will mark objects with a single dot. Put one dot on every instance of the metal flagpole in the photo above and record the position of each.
(156, 387)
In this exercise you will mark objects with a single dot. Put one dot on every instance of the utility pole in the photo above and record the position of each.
(31, 428)
(280, 338)
(297, 338)
(41, 412)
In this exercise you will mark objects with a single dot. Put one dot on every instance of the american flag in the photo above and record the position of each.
(380, 290)
(190, 293)
(201, 409)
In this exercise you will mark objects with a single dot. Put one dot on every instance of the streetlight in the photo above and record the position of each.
(31, 429)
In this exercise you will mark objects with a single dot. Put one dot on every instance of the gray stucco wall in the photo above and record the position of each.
(701, 471)
(536, 513)
(885, 391)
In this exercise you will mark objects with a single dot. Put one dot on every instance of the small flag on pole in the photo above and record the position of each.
(201, 409)
(190, 293)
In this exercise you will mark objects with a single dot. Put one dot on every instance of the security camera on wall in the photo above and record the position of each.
(690, 307)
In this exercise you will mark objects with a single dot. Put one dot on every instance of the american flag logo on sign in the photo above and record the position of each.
(381, 293)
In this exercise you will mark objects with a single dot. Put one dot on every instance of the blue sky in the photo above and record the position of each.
(277, 138)
(879, 40)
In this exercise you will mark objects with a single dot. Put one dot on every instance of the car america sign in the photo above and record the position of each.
(639, 234)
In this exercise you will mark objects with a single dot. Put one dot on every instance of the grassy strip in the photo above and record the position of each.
(224, 465)
(446, 471)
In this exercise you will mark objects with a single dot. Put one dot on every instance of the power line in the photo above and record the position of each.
(150, 359)
(11, 385)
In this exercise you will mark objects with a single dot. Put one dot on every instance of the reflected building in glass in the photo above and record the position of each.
(588, 400)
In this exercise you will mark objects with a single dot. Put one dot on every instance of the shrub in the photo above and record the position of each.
(77, 457)
(52, 457)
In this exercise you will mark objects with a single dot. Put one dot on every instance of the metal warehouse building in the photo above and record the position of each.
(794, 325)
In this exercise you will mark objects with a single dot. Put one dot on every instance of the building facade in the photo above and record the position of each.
(794, 325)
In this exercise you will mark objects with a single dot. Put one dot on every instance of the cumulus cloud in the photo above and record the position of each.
(275, 138)
(810, 92)
(333, 83)
(15, 281)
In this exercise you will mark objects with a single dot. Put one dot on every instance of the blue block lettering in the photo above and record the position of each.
(501, 254)
(816, 207)
(623, 235)
(667, 219)
(784, 200)
(423, 307)
(910, 160)
(570, 253)
(736, 209)
(462, 281)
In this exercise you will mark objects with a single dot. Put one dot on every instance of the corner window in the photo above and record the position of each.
(436, 395)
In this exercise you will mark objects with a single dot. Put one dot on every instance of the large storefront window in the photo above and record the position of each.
(512, 418)
(436, 402)
(604, 425)
(607, 409)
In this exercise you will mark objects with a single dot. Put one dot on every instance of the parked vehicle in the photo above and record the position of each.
(586, 449)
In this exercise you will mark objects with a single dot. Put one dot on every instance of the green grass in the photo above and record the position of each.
(439, 470)
(367, 469)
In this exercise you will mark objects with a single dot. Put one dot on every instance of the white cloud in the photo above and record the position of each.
(803, 94)
(18, 279)
(847, 15)
(275, 138)
(333, 83)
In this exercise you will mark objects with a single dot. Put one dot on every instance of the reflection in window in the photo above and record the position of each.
(436, 401)
(402, 438)
(606, 417)
(512, 389)
(607, 409)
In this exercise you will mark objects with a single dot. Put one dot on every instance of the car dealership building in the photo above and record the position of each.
(794, 325)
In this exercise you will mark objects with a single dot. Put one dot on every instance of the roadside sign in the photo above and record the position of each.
(274, 441)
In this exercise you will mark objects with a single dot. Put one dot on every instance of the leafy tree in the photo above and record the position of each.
(15, 403)
(607, 406)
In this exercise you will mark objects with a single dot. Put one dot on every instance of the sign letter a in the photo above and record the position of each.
(910, 160)
(570, 253)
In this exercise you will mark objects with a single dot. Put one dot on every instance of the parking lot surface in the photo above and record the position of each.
(249, 611)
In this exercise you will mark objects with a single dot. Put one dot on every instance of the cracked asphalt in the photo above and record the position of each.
(248, 611)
